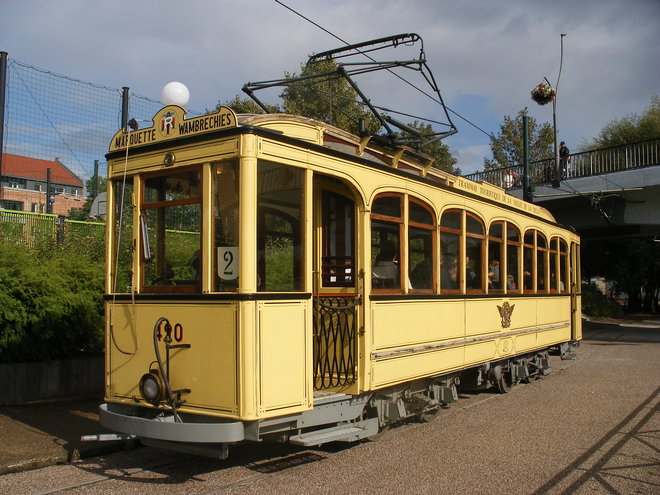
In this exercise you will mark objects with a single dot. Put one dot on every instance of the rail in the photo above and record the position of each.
(584, 164)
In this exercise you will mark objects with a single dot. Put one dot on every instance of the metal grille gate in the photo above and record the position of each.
(335, 341)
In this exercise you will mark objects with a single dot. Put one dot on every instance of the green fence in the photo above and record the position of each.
(31, 229)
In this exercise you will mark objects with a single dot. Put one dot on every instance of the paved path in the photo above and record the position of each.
(590, 427)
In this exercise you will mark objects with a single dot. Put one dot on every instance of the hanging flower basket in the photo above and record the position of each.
(543, 93)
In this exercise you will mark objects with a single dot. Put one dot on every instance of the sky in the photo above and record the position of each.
(486, 55)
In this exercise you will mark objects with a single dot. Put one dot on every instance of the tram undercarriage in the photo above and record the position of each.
(335, 417)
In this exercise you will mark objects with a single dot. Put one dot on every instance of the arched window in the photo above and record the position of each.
(529, 264)
(421, 246)
(475, 247)
(386, 235)
(512, 258)
(451, 230)
(564, 274)
(554, 264)
(496, 257)
(541, 263)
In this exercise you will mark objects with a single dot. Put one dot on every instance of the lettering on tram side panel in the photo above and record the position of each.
(171, 123)
(498, 196)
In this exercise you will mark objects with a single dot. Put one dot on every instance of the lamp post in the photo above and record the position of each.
(555, 180)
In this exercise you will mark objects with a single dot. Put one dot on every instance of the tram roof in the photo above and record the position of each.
(380, 152)
(170, 124)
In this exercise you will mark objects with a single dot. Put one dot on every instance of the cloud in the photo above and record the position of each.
(486, 55)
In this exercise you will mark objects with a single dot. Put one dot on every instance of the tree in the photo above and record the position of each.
(330, 99)
(633, 264)
(507, 147)
(443, 159)
(629, 129)
(245, 105)
(94, 186)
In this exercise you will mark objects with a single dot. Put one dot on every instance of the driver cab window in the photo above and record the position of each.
(171, 225)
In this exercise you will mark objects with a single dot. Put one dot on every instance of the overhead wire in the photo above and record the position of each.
(389, 70)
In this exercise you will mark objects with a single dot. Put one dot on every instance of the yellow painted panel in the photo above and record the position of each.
(482, 316)
(548, 337)
(298, 130)
(553, 309)
(406, 323)
(283, 355)
(577, 319)
(208, 368)
(526, 342)
(401, 369)
(480, 352)
(185, 155)
(283, 153)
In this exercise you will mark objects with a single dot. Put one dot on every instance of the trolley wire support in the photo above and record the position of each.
(404, 135)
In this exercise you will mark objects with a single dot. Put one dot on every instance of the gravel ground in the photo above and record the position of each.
(592, 426)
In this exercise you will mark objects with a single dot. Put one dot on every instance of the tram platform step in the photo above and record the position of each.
(341, 433)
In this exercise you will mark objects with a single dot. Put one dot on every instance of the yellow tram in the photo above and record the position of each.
(271, 276)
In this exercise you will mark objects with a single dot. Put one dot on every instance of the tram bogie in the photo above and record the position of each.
(270, 277)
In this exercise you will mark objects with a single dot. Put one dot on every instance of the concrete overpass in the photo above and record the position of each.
(612, 192)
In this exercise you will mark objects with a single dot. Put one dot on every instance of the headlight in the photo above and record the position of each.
(152, 387)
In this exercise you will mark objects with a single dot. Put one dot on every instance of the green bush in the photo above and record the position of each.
(51, 301)
(595, 303)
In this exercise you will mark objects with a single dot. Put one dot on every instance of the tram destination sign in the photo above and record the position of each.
(171, 123)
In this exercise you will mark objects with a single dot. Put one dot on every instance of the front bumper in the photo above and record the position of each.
(125, 419)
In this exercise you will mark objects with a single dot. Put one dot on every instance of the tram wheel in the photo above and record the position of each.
(503, 380)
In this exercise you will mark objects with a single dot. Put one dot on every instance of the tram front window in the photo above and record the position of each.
(280, 243)
(226, 221)
(170, 237)
(122, 266)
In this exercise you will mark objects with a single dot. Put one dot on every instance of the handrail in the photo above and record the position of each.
(583, 164)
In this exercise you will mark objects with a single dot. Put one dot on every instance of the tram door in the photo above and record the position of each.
(576, 293)
(336, 297)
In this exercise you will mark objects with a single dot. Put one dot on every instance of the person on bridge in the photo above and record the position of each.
(564, 159)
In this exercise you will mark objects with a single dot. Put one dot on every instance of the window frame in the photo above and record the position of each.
(460, 257)
(432, 229)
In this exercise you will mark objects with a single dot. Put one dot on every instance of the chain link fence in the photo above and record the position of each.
(50, 116)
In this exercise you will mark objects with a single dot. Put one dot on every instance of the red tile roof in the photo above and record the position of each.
(33, 168)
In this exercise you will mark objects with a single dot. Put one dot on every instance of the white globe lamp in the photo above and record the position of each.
(175, 93)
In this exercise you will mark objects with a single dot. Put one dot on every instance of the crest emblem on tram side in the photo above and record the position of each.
(505, 312)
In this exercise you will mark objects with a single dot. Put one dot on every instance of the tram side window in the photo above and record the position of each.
(279, 227)
(225, 224)
(529, 265)
(386, 226)
(475, 242)
(554, 276)
(337, 263)
(122, 263)
(451, 229)
(171, 231)
(421, 246)
(495, 257)
(541, 263)
(564, 276)
(513, 257)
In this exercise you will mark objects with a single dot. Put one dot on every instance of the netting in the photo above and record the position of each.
(50, 116)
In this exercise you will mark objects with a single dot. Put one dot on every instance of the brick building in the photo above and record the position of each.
(23, 185)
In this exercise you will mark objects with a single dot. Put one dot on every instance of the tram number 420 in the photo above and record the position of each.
(228, 262)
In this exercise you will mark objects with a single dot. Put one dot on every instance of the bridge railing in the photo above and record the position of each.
(583, 164)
